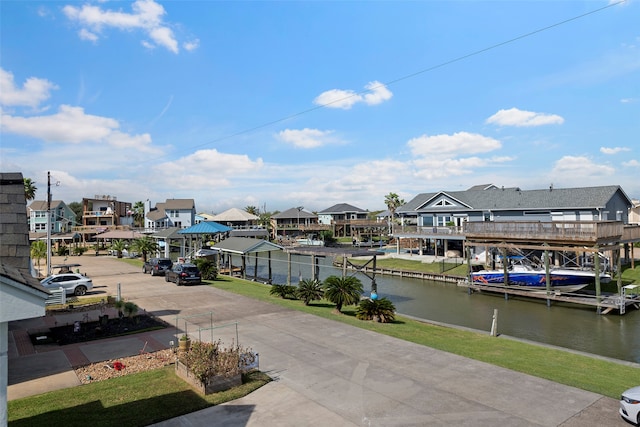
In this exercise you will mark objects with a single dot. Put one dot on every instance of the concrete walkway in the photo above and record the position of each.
(325, 372)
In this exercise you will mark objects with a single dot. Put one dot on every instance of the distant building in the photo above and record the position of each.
(180, 213)
(62, 217)
(103, 212)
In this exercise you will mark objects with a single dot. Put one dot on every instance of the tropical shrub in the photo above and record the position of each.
(309, 290)
(284, 291)
(62, 251)
(342, 290)
(79, 250)
(380, 310)
(208, 269)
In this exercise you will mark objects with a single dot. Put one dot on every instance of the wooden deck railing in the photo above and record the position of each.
(583, 231)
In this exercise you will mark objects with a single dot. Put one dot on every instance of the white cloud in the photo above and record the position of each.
(633, 163)
(446, 145)
(521, 118)
(207, 169)
(147, 16)
(72, 125)
(613, 150)
(581, 169)
(306, 138)
(33, 92)
(85, 34)
(376, 93)
(191, 45)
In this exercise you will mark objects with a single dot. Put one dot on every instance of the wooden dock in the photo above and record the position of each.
(607, 303)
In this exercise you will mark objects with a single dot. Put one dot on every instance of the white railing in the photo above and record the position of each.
(58, 296)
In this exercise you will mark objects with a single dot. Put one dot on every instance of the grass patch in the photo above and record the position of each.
(131, 400)
(588, 373)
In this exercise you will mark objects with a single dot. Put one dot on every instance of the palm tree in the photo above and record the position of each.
(310, 290)
(380, 310)
(342, 290)
(29, 189)
(252, 210)
(38, 251)
(138, 213)
(145, 245)
(118, 246)
(393, 202)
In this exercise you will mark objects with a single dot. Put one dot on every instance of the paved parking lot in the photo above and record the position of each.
(328, 373)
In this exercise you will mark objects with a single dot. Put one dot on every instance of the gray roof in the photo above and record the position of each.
(245, 245)
(41, 205)
(341, 208)
(294, 213)
(514, 198)
(167, 233)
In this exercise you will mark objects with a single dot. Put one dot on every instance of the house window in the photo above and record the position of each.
(442, 220)
(443, 202)
(173, 213)
(178, 224)
(40, 227)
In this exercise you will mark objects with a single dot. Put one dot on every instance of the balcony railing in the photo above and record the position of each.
(89, 214)
(414, 229)
(577, 231)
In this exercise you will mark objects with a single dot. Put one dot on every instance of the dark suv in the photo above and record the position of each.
(183, 274)
(157, 266)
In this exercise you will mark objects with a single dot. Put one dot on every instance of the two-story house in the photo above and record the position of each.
(62, 217)
(347, 220)
(180, 213)
(105, 212)
(293, 222)
(441, 218)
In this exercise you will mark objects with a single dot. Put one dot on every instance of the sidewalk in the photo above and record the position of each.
(325, 372)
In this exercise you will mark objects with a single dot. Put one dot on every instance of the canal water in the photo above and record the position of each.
(563, 325)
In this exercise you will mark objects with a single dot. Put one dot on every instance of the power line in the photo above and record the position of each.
(409, 76)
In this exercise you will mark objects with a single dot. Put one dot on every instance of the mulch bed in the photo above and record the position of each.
(96, 330)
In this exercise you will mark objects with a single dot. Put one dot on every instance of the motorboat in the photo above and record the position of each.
(534, 278)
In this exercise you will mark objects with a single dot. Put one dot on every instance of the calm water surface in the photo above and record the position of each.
(568, 326)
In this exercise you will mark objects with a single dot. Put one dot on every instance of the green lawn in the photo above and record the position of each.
(588, 373)
(131, 400)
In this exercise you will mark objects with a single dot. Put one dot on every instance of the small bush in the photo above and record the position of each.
(79, 250)
(284, 291)
(380, 310)
(208, 269)
(62, 251)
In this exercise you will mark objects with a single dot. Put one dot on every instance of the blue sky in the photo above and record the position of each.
(279, 104)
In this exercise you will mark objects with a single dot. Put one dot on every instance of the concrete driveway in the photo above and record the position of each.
(328, 373)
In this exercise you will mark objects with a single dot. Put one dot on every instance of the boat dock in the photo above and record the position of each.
(605, 304)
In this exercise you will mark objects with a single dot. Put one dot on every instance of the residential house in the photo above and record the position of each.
(490, 203)
(21, 296)
(62, 217)
(180, 213)
(350, 221)
(200, 217)
(439, 218)
(293, 222)
(104, 212)
(236, 218)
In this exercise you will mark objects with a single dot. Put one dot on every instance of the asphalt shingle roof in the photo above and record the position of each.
(513, 198)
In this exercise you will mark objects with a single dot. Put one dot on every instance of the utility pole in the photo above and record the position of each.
(48, 224)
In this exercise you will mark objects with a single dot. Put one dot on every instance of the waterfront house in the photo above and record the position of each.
(180, 213)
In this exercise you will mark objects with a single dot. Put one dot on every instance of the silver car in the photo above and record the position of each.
(73, 283)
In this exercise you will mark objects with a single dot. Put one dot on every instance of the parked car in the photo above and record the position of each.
(157, 266)
(183, 274)
(630, 405)
(73, 283)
